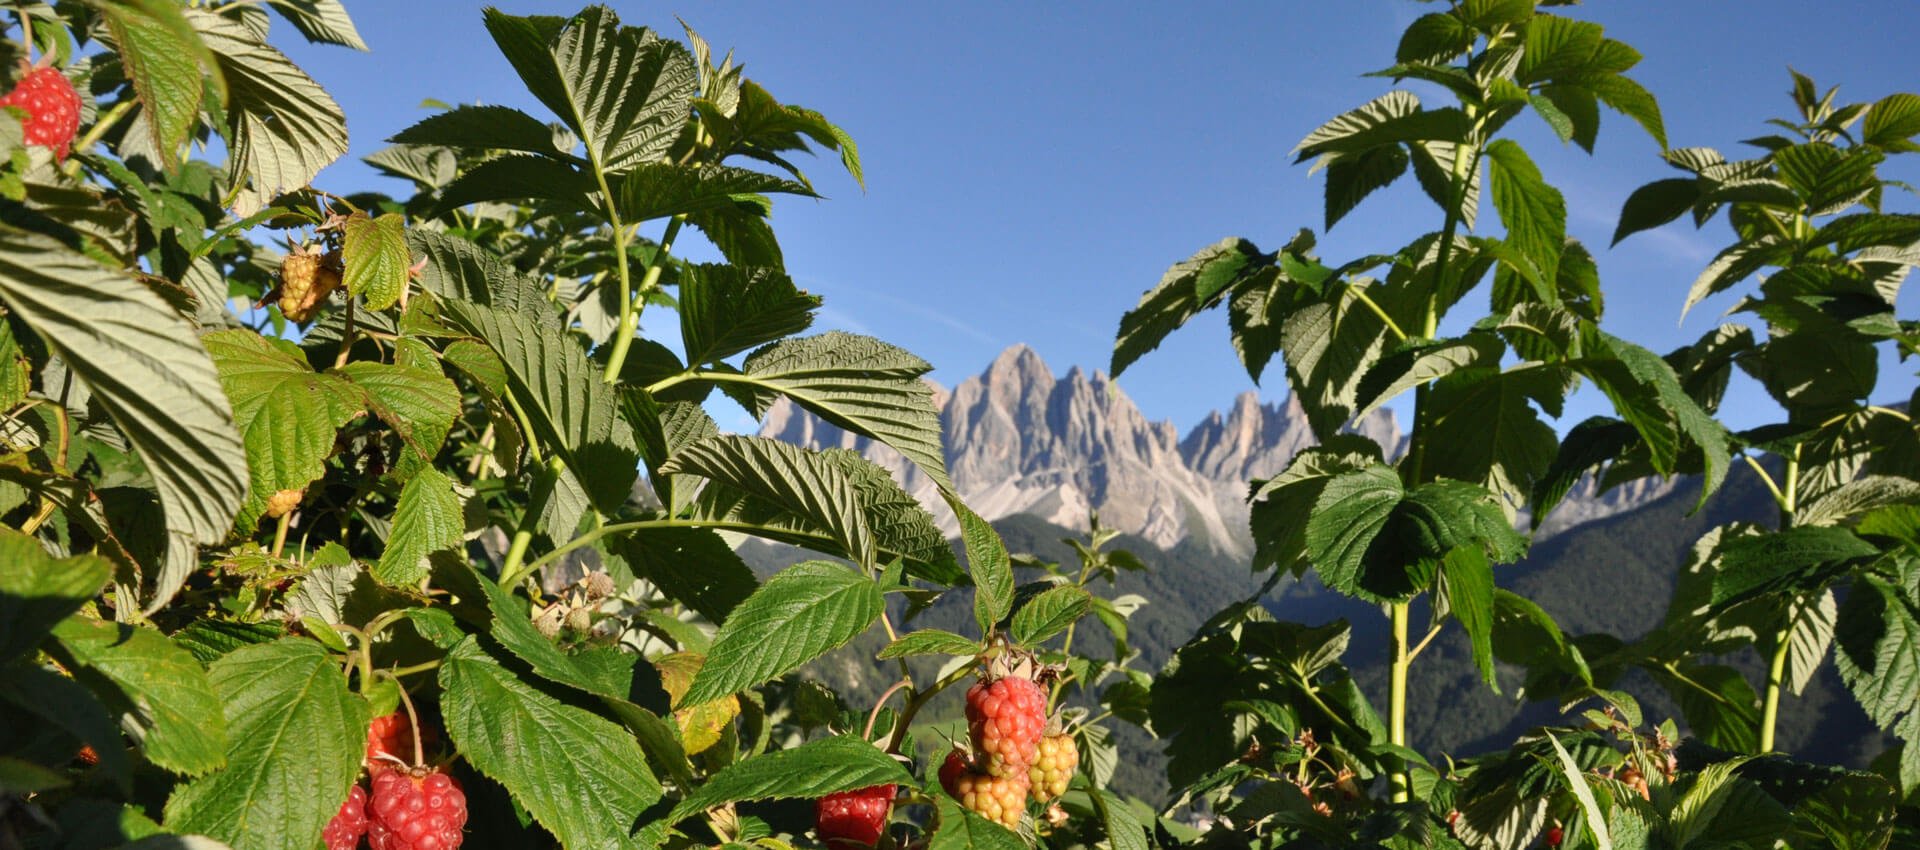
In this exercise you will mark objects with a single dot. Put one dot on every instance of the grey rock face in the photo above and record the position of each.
(1020, 440)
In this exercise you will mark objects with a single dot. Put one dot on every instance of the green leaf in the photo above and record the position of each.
(888, 523)
(282, 127)
(796, 481)
(159, 689)
(930, 642)
(1577, 780)
(1648, 395)
(1433, 168)
(288, 414)
(1857, 497)
(1049, 613)
(1720, 705)
(1330, 343)
(1434, 38)
(1580, 108)
(1421, 362)
(1799, 558)
(1629, 98)
(1878, 650)
(37, 591)
(660, 189)
(1810, 627)
(458, 269)
(149, 371)
(1351, 510)
(1721, 806)
(727, 309)
(961, 829)
(1189, 288)
(989, 565)
(692, 565)
(1370, 538)
(164, 60)
(1391, 118)
(860, 384)
(801, 613)
(1486, 420)
(1469, 583)
(1282, 506)
(295, 739)
(571, 409)
(482, 128)
(578, 774)
(811, 770)
(1856, 811)
(1557, 47)
(320, 20)
(1534, 213)
(419, 405)
(376, 259)
(1655, 204)
(63, 703)
(428, 519)
(1351, 178)
(624, 91)
(520, 177)
(1524, 634)
(1892, 122)
(1487, 14)
(1124, 830)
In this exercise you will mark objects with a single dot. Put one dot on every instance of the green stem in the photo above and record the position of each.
(510, 568)
(280, 533)
(630, 301)
(1361, 295)
(917, 701)
(1778, 497)
(1397, 708)
(99, 130)
(1776, 671)
(1776, 674)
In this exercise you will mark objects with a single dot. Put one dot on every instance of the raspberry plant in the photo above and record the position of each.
(339, 519)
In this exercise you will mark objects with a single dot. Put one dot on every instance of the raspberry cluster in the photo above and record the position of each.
(1006, 717)
(419, 809)
(1054, 767)
(344, 831)
(850, 819)
(307, 277)
(52, 107)
(1013, 756)
(411, 808)
(1001, 799)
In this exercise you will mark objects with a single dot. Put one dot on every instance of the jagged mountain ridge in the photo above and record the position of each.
(1020, 440)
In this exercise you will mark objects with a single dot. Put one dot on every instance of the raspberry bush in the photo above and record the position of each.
(330, 518)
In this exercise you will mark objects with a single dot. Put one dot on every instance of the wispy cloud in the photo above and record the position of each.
(839, 319)
(918, 310)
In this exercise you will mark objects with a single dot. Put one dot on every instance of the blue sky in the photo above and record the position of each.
(1031, 168)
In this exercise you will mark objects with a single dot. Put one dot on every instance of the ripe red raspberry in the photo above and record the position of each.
(1005, 718)
(390, 735)
(52, 107)
(344, 831)
(857, 818)
(956, 766)
(418, 809)
(1554, 836)
(1054, 768)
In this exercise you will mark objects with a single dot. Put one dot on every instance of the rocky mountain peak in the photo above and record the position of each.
(1020, 440)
